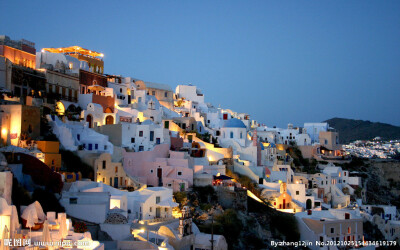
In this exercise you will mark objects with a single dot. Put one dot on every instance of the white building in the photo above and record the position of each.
(60, 62)
(233, 130)
(313, 130)
(142, 136)
(74, 136)
(92, 201)
(330, 225)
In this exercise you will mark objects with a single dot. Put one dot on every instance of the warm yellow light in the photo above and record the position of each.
(142, 230)
(42, 50)
(101, 54)
(4, 131)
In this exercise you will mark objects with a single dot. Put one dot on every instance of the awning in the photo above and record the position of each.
(222, 177)
(167, 203)
(96, 88)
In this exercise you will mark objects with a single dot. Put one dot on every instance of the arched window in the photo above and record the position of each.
(231, 134)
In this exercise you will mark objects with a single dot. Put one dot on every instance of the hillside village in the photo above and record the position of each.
(118, 162)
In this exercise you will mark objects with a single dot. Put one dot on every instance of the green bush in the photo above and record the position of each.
(231, 226)
(286, 224)
(205, 194)
(48, 201)
(181, 198)
(20, 196)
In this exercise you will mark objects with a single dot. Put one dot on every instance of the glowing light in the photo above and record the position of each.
(4, 131)
(142, 230)
(42, 50)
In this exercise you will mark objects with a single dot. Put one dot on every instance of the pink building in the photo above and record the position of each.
(160, 167)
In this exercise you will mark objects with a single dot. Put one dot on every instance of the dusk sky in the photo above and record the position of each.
(279, 61)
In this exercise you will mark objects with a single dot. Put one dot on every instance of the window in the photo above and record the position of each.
(120, 90)
(52, 162)
(218, 133)
(104, 164)
(297, 192)
(105, 147)
(151, 135)
(326, 141)
(110, 181)
(140, 133)
(153, 92)
(151, 209)
(179, 173)
(346, 216)
(166, 94)
(151, 170)
(104, 180)
(241, 135)
(332, 230)
(231, 134)
(208, 121)
(78, 136)
(349, 230)
(158, 199)
(133, 140)
(169, 185)
(166, 210)
(116, 169)
(73, 200)
(141, 148)
(96, 146)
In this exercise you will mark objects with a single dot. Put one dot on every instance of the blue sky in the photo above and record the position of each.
(279, 61)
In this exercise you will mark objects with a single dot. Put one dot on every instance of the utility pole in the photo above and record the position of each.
(147, 229)
(212, 232)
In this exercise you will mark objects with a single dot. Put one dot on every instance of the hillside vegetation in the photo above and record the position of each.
(351, 130)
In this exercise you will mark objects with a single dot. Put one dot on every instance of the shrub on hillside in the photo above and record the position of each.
(48, 200)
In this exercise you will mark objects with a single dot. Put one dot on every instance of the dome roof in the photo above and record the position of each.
(234, 123)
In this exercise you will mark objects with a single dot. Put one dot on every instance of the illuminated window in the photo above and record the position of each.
(116, 169)
(71, 65)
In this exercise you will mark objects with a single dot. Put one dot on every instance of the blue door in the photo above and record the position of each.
(90, 146)
(116, 182)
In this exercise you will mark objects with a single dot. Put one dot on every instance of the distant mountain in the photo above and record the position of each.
(351, 130)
